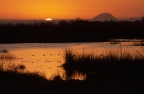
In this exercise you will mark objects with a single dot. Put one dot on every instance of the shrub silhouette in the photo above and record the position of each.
(71, 31)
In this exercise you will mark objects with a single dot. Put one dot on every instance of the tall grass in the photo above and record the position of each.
(16, 79)
(18, 72)
(5, 55)
(112, 64)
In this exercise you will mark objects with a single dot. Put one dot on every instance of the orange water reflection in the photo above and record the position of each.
(48, 57)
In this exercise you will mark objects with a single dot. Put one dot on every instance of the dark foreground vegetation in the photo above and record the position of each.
(111, 65)
(71, 31)
(16, 80)
(110, 73)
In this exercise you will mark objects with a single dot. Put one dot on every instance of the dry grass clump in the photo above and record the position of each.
(116, 64)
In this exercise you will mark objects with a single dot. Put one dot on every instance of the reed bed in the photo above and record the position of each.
(13, 71)
(16, 79)
(5, 55)
(112, 64)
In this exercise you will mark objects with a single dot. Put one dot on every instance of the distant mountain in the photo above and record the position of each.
(104, 17)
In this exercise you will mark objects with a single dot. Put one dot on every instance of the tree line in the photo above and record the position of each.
(77, 30)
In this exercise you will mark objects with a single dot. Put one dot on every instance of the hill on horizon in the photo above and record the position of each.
(104, 17)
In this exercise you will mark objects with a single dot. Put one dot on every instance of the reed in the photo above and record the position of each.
(112, 64)
(5, 55)
(13, 72)
(16, 79)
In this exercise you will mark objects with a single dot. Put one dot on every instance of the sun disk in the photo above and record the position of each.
(48, 19)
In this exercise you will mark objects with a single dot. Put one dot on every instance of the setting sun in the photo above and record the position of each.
(48, 19)
(71, 46)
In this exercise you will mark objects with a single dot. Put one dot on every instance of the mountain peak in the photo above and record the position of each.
(104, 17)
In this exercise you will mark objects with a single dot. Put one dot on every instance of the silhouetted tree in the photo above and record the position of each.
(77, 30)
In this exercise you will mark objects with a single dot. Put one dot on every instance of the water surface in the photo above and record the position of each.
(48, 57)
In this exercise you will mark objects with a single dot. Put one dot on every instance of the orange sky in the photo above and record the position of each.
(69, 9)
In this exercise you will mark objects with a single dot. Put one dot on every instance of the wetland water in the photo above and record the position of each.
(48, 57)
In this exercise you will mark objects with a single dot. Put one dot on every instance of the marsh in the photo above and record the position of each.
(48, 57)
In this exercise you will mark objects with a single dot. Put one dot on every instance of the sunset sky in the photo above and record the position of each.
(69, 9)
